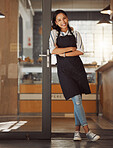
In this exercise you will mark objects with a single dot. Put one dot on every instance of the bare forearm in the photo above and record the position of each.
(61, 50)
(74, 53)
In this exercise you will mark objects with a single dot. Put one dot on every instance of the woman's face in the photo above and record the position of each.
(62, 21)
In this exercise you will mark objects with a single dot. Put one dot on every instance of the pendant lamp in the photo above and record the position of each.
(106, 10)
(104, 22)
(2, 15)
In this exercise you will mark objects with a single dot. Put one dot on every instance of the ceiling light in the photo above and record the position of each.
(104, 22)
(106, 10)
(2, 15)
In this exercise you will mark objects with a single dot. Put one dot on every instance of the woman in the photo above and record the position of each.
(67, 45)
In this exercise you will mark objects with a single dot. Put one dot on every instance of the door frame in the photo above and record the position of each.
(46, 85)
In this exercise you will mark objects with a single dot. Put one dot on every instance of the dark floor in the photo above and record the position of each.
(66, 143)
(62, 135)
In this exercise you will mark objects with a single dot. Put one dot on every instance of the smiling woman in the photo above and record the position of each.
(67, 44)
(62, 21)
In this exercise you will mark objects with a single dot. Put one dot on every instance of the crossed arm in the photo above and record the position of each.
(61, 51)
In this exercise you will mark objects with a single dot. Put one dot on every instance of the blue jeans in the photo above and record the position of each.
(80, 118)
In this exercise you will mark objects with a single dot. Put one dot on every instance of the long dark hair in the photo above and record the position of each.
(54, 26)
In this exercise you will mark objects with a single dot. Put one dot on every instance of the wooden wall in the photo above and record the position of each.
(8, 57)
(107, 78)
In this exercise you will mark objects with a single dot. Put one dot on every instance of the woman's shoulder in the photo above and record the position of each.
(54, 31)
(74, 31)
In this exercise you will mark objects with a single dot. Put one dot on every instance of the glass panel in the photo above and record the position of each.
(9, 67)
(30, 65)
(21, 110)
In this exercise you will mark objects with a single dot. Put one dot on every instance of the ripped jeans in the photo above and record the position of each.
(80, 118)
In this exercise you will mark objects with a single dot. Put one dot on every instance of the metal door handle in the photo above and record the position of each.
(46, 55)
(42, 55)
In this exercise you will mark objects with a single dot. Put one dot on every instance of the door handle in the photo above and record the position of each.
(42, 55)
(46, 55)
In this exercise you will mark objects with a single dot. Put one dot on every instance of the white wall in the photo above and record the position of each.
(97, 41)
(27, 25)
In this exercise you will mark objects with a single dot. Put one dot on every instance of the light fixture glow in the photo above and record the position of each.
(2, 15)
(106, 10)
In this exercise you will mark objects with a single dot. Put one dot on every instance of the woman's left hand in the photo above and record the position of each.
(62, 54)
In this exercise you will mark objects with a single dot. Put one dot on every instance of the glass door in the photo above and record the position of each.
(25, 86)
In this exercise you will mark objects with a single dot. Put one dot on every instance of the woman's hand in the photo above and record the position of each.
(61, 55)
(56, 46)
(74, 53)
(58, 50)
(73, 48)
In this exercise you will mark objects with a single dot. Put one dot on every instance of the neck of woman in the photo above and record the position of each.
(64, 30)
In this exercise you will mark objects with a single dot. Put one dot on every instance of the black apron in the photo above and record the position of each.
(71, 72)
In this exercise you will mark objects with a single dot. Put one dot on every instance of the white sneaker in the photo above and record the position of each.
(92, 137)
(77, 136)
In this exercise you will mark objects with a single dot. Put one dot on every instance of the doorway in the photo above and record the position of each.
(25, 85)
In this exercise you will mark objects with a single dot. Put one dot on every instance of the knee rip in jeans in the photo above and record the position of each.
(77, 99)
(78, 102)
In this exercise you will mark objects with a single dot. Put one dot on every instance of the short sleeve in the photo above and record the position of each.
(80, 45)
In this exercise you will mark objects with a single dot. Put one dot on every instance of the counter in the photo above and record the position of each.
(104, 93)
(30, 91)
